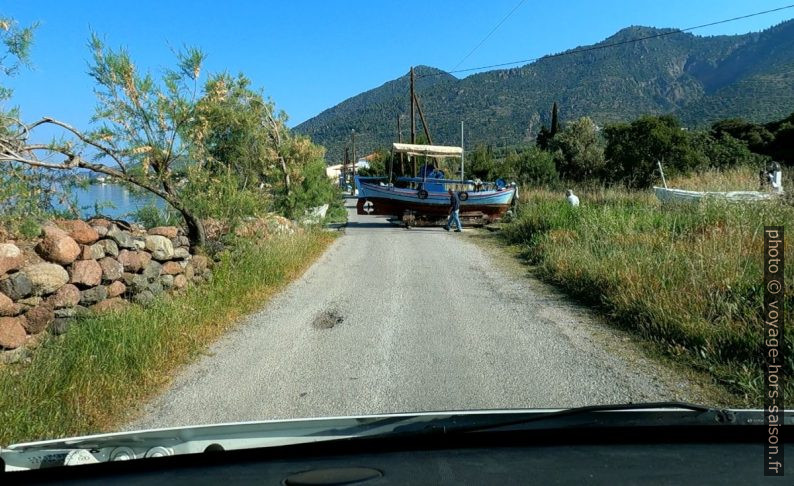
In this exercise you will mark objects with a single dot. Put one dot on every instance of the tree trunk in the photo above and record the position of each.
(195, 229)
(286, 174)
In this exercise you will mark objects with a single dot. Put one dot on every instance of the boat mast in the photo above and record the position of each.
(413, 117)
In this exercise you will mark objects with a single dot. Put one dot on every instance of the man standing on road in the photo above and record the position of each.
(454, 211)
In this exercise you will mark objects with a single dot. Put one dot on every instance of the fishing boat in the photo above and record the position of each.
(424, 199)
(773, 178)
(670, 195)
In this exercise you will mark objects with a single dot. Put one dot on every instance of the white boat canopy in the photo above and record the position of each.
(438, 151)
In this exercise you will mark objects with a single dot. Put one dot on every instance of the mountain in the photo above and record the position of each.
(700, 79)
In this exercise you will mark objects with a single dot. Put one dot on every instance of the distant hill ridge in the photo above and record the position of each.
(700, 79)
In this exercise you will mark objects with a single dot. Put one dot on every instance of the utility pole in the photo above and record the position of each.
(399, 139)
(462, 152)
(344, 166)
(413, 116)
(353, 170)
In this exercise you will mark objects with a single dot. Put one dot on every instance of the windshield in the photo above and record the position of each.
(218, 214)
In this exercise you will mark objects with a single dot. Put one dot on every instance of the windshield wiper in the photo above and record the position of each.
(649, 413)
(708, 415)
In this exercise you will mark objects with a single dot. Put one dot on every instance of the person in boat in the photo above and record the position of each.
(572, 199)
(454, 211)
(477, 184)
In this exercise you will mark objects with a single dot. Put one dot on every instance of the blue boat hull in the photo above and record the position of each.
(488, 206)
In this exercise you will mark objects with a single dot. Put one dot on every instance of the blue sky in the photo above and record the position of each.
(311, 55)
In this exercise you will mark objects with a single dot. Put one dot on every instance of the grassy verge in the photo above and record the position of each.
(688, 277)
(94, 376)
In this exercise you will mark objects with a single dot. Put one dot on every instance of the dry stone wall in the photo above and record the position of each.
(77, 267)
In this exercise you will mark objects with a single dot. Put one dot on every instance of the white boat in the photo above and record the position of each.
(669, 195)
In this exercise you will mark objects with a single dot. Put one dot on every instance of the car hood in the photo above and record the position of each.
(272, 433)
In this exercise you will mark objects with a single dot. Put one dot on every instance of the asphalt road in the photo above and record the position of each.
(423, 320)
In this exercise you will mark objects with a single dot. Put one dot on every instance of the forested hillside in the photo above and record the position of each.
(700, 79)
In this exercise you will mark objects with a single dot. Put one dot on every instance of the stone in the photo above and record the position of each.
(140, 244)
(60, 326)
(135, 282)
(102, 231)
(81, 310)
(183, 241)
(156, 287)
(66, 312)
(122, 238)
(200, 263)
(134, 261)
(109, 247)
(110, 305)
(16, 286)
(152, 270)
(143, 298)
(66, 296)
(38, 318)
(172, 268)
(79, 230)
(180, 282)
(85, 273)
(160, 247)
(167, 231)
(57, 246)
(46, 278)
(29, 302)
(93, 295)
(112, 269)
(190, 271)
(7, 306)
(167, 281)
(15, 356)
(116, 289)
(11, 258)
(12, 332)
(91, 252)
(181, 253)
(100, 222)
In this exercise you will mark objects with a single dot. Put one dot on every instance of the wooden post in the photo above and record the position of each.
(399, 139)
(422, 117)
(413, 116)
(344, 165)
(353, 163)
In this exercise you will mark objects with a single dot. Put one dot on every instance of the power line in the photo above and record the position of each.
(488, 36)
(613, 44)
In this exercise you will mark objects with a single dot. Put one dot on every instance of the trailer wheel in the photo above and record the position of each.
(463, 195)
(422, 194)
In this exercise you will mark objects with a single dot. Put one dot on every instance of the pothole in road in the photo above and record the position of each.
(328, 319)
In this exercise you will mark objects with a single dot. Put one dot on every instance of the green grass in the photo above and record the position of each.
(687, 277)
(93, 377)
